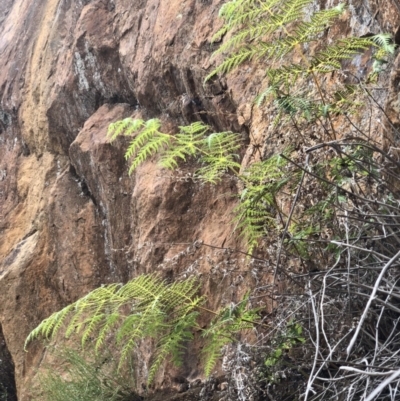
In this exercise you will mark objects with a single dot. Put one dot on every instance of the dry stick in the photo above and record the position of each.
(378, 223)
(351, 138)
(336, 144)
(360, 164)
(380, 108)
(377, 326)
(368, 287)
(379, 389)
(316, 319)
(367, 91)
(201, 243)
(361, 132)
(380, 301)
(349, 369)
(348, 257)
(388, 227)
(359, 248)
(288, 221)
(368, 366)
(371, 298)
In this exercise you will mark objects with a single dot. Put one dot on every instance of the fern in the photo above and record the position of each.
(215, 151)
(173, 343)
(147, 142)
(126, 126)
(254, 213)
(219, 156)
(276, 31)
(164, 312)
(187, 143)
(223, 329)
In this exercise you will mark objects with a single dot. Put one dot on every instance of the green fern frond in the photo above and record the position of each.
(148, 142)
(343, 49)
(328, 60)
(224, 328)
(143, 288)
(218, 156)
(276, 31)
(290, 10)
(173, 343)
(216, 151)
(242, 38)
(231, 62)
(187, 143)
(109, 324)
(385, 43)
(93, 324)
(212, 352)
(187, 290)
(292, 104)
(153, 308)
(253, 219)
(306, 32)
(255, 212)
(265, 18)
(213, 171)
(147, 307)
(127, 126)
(50, 326)
(285, 77)
(238, 12)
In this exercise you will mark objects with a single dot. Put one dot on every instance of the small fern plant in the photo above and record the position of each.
(164, 312)
(279, 32)
(216, 152)
(224, 327)
(256, 210)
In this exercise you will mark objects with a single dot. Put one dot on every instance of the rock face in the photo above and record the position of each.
(70, 216)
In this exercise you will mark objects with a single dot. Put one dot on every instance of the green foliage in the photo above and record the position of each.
(277, 31)
(282, 32)
(292, 336)
(215, 151)
(271, 31)
(148, 141)
(83, 380)
(225, 326)
(255, 212)
(165, 312)
(353, 162)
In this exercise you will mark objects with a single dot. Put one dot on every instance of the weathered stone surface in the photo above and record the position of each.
(70, 216)
(8, 390)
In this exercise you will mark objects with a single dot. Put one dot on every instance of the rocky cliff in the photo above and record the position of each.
(70, 216)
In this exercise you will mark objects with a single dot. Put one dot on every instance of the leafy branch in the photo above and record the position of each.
(216, 152)
(165, 312)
